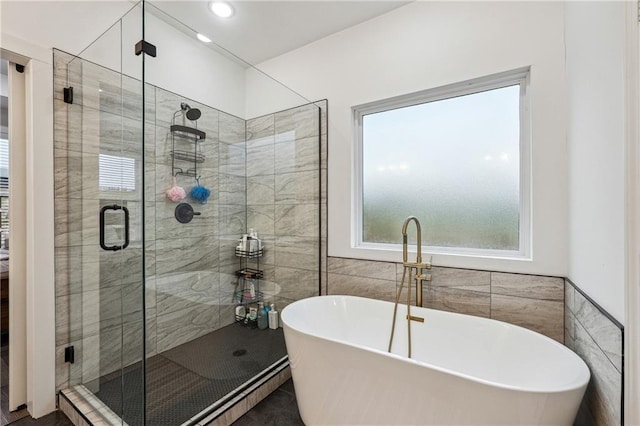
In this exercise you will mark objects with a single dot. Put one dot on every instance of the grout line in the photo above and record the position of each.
(595, 342)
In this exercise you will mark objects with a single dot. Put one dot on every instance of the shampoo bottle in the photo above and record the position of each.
(273, 317)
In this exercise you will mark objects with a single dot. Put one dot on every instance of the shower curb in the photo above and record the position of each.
(84, 409)
(241, 404)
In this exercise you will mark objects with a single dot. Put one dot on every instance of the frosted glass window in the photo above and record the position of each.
(452, 162)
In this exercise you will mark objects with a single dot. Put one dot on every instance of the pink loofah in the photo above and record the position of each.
(176, 193)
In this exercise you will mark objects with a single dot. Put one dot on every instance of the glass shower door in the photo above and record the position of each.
(224, 129)
(99, 206)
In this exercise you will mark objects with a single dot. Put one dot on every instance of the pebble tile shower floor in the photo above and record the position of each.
(185, 380)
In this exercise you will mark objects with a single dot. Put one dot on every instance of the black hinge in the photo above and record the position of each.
(69, 354)
(20, 68)
(68, 94)
(145, 47)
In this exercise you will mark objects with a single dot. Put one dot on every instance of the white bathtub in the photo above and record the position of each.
(464, 370)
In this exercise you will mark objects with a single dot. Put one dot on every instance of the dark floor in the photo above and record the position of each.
(6, 416)
(54, 419)
(278, 409)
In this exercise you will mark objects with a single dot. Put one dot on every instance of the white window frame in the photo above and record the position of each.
(519, 76)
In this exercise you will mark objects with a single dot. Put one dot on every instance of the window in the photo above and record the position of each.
(455, 157)
(117, 173)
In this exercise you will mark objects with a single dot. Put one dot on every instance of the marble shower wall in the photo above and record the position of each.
(188, 266)
(193, 280)
(285, 204)
(598, 340)
(98, 293)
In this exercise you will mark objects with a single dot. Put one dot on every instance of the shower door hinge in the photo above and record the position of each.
(69, 355)
(68, 94)
(144, 46)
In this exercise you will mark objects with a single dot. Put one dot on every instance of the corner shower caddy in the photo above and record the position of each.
(246, 276)
(188, 134)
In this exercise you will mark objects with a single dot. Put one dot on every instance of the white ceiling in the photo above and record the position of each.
(261, 30)
(258, 31)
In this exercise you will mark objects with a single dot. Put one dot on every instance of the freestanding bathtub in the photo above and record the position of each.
(464, 370)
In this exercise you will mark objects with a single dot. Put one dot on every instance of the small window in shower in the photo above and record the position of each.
(117, 173)
(457, 158)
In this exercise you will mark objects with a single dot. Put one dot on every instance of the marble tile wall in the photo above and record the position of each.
(264, 173)
(284, 199)
(188, 266)
(96, 308)
(598, 340)
(534, 302)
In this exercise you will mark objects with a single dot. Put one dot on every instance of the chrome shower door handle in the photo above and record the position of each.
(103, 245)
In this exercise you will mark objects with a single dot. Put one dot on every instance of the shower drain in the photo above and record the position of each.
(239, 352)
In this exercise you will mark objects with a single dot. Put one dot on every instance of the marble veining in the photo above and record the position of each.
(604, 393)
(260, 160)
(297, 219)
(297, 252)
(598, 340)
(260, 189)
(607, 335)
(362, 268)
(260, 128)
(181, 326)
(99, 304)
(297, 123)
(529, 286)
(297, 156)
(297, 187)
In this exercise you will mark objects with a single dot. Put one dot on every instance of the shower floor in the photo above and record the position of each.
(183, 381)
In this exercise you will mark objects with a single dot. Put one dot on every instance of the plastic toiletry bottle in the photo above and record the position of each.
(240, 312)
(273, 317)
(253, 243)
(253, 314)
(263, 320)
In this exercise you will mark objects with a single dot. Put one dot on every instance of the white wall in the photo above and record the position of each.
(91, 28)
(186, 66)
(425, 45)
(40, 291)
(595, 40)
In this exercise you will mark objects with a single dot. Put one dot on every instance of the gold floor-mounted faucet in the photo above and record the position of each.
(419, 267)
(419, 277)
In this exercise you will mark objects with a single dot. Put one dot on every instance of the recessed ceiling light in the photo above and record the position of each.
(221, 9)
(203, 38)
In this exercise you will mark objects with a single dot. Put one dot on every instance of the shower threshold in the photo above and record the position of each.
(193, 383)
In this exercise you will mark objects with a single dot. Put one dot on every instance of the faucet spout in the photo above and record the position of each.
(405, 245)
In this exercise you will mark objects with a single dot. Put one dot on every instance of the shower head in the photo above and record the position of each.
(191, 113)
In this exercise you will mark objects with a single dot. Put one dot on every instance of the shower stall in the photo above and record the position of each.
(167, 151)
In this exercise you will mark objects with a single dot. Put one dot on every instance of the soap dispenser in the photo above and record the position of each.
(273, 317)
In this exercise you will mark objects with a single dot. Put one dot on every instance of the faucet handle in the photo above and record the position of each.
(428, 263)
